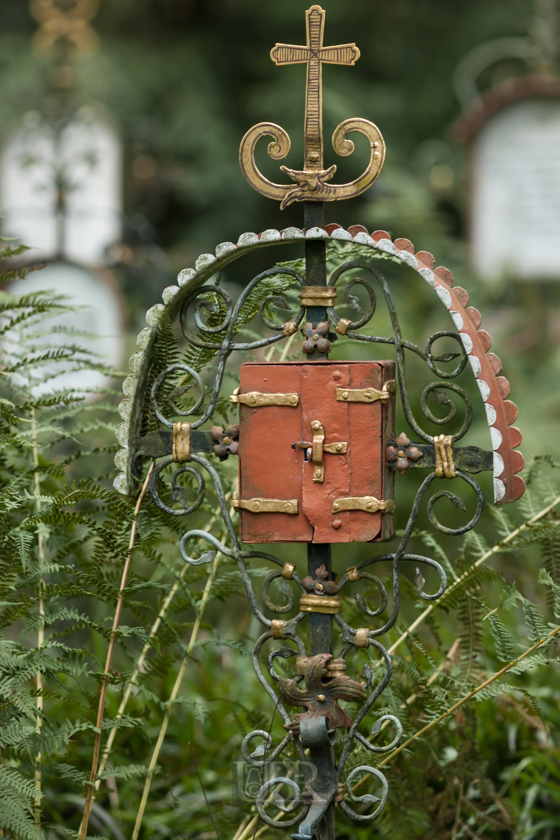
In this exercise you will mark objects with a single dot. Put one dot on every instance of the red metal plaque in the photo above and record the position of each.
(312, 441)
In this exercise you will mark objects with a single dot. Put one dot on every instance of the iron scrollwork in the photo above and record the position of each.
(217, 320)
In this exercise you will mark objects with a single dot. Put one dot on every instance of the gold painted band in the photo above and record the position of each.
(181, 442)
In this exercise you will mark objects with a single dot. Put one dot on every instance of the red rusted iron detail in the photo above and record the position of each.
(494, 389)
(319, 698)
(271, 469)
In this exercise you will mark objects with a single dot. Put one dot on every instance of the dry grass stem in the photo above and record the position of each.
(145, 650)
(109, 659)
(173, 697)
(496, 549)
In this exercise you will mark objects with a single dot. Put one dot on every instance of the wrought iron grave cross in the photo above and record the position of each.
(327, 429)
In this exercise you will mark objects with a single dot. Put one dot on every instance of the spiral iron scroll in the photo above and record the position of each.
(216, 318)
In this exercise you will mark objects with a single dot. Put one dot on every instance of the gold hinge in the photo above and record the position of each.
(366, 395)
(266, 505)
(254, 399)
(368, 503)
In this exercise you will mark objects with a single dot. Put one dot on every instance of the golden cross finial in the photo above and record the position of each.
(314, 54)
(311, 182)
(62, 20)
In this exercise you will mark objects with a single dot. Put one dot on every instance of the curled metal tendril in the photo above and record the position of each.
(420, 580)
(221, 310)
(259, 758)
(437, 388)
(280, 802)
(229, 315)
(279, 302)
(177, 492)
(376, 728)
(285, 653)
(285, 590)
(445, 357)
(206, 556)
(366, 798)
(360, 600)
(351, 300)
(455, 500)
(178, 391)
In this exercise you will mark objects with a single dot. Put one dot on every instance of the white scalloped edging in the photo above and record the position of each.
(207, 265)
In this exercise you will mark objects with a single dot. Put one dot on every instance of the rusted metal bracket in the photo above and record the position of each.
(366, 395)
(254, 399)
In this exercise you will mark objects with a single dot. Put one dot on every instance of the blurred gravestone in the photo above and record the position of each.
(61, 195)
(94, 326)
(61, 186)
(514, 179)
(515, 195)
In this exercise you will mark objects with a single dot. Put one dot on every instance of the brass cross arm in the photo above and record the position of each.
(312, 183)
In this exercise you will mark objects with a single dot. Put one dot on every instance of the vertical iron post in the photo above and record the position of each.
(319, 554)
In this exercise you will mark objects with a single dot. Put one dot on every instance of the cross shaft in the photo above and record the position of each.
(314, 55)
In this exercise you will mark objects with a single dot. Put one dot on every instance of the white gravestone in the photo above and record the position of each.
(81, 162)
(515, 192)
(98, 319)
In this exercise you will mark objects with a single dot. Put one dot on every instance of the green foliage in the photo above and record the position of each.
(64, 540)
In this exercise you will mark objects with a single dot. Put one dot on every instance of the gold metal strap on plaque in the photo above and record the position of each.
(254, 399)
(311, 182)
(443, 447)
(366, 395)
(353, 573)
(265, 505)
(317, 296)
(325, 604)
(181, 442)
(367, 503)
(288, 571)
(319, 446)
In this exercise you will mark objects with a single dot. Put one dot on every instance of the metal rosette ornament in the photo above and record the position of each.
(318, 484)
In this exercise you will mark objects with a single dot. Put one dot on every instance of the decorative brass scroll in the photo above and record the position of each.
(368, 503)
(311, 183)
(366, 395)
(255, 400)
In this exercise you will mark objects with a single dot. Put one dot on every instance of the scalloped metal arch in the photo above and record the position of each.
(501, 413)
